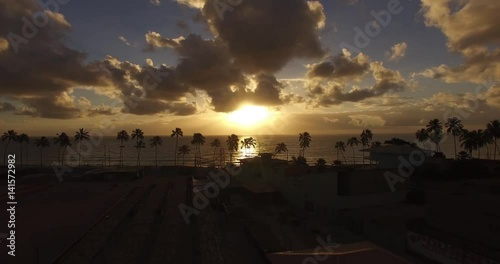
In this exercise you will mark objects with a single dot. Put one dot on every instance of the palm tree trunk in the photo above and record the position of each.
(495, 153)
(5, 153)
(353, 157)
(175, 151)
(455, 145)
(79, 150)
(41, 157)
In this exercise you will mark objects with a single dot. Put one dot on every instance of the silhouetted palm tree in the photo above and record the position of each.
(198, 141)
(216, 145)
(435, 130)
(184, 149)
(248, 143)
(494, 129)
(304, 141)
(280, 148)
(10, 135)
(365, 137)
(422, 135)
(139, 145)
(176, 133)
(64, 142)
(122, 136)
(320, 164)
(232, 145)
(340, 147)
(486, 139)
(155, 142)
(42, 143)
(469, 140)
(351, 142)
(455, 128)
(21, 139)
(81, 135)
(138, 135)
(299, 161)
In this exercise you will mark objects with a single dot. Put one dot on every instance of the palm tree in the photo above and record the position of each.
(248, 143)
(422, 135)
(232, 145)
(351, 142)
(184, 149)
(304, 140)
(366, 136)
(216, 145)
(280, 148)
(494, 129)
(198, 141)
(176, 133)
(155, 142)
(435, 130)
(139, 145)
(10, 135)
(81, 135)
(340, 147)
(469, 140)
(486, 139)
(455, 128)
(64, 142)
(42, 143)
(122, 136)
(138, 135)
(21, 139)
(463, 155)
(321, 164)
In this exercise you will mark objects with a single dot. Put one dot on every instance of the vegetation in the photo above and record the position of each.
(21, 139)
(216, 145)
(232, 145)
(340, 147)
(304, 142)
(365, 138)
(183, 150)
(399, 142)
(454, 126)
(176, 133)
(299, 161)
(248, 143)
(122, 136)
(81, 135)
(280, 148)
(351, 142)
(138, 135)
(42, 143)
(155, 142)
(10, 135)
(198, 141)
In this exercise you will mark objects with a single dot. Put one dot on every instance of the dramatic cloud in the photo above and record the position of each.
(366, 121)
(255, 45)
(397, 52)
(155, 40)
(40, 69)
(340, 67)
(493, 96)
(471, 27)
(332, 93)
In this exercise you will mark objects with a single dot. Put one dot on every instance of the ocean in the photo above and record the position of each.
(321, 146)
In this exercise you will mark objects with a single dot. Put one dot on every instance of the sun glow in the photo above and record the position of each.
(249, 115)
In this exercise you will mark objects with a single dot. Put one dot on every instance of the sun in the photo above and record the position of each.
(249, 115)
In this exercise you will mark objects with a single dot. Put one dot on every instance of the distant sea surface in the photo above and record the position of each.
(321, 146)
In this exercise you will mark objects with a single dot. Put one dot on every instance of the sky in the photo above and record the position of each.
(247, 66)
